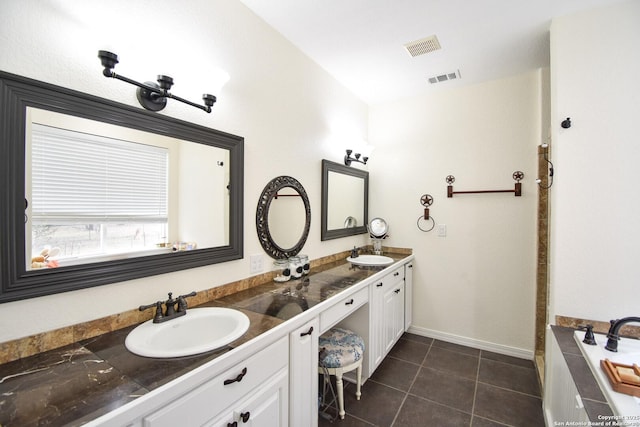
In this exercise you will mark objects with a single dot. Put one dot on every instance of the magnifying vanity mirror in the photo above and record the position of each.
(283, 217)
(345, 201)
(97, 192)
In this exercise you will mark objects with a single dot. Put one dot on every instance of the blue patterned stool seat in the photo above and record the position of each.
(343, 347)
(341, 351)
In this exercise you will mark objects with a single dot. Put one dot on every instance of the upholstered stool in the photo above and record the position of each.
(341, 351)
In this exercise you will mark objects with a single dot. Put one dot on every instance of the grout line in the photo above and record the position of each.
(511, 390)
(475, 390)
(415, 377)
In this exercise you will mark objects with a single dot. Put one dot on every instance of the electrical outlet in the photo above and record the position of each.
(256, 264)
(442, 230)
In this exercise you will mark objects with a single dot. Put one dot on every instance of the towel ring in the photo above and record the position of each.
(433, 223)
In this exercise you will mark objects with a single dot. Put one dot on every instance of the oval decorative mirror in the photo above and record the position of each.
(283, 217)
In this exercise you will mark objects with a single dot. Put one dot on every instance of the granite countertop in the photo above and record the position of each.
(594, 401)
(77, 383)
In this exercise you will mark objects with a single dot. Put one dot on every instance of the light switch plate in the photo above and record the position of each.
(256, 264)
(442, 230)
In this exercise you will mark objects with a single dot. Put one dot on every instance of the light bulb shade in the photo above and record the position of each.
(218, 78)
(165, 82)
(107, 59)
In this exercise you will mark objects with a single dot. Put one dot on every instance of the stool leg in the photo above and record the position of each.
(358, 381)
(340, 393)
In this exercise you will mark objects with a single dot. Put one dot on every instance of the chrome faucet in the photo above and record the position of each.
(614, 329)
(170, 311)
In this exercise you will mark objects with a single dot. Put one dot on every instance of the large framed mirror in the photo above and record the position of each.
(283, 217)
(345, 201)
(96, 192)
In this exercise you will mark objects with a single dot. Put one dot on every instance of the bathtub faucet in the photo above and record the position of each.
(612, 342)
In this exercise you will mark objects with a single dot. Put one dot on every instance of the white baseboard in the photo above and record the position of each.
(471, 342)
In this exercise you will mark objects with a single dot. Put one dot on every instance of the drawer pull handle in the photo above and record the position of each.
(245, 416)
(397, 291)
(410, 266)
(379, 285)
(233, 424)
(307, 333)
(349, 302)
(396, 274)
(238, 378)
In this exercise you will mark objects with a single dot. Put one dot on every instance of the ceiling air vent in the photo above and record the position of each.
(445, 77)
(422, 46)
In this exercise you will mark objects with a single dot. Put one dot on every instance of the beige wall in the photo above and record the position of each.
(291, 113)
(476, 285)
(594, 217)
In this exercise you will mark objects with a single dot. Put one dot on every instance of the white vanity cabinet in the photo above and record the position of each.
(303, 374)
(562, 402)
(258, 385)
(386, 315)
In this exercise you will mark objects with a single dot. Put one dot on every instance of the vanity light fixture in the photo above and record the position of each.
(356, 158)
(152, 96)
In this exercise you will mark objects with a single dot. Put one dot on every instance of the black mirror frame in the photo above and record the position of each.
(16, 282)
(329, 166)
(262, 217)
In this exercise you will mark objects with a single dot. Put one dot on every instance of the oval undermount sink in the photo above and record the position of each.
(198, 331)
(371, 260)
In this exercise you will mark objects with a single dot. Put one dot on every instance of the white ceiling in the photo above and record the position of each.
(360, 42)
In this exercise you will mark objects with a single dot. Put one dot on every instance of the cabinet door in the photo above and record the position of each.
(303, 375)
(408, 294)
(376, 325)
(393, 315)
(266, 407)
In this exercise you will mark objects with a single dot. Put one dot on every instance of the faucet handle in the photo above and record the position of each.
(157, 318)
(182, 302)
(588, 336)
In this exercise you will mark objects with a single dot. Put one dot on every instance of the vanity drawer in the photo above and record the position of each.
(394, 276)
(211, 398)
(342, 309)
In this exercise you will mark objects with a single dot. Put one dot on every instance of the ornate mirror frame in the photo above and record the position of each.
(262, 217)
(329, 166)
(16, 282)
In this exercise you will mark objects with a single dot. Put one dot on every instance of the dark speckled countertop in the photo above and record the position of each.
(77, 383)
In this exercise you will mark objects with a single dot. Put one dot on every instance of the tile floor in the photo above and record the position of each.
(427, 382)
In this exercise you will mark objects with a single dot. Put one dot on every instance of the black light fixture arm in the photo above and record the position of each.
(152, 96)
(348, 159)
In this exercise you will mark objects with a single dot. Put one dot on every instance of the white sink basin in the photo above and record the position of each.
(198, 331)
(372, 260)
(628, 354)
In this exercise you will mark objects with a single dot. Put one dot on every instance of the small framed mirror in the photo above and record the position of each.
(283, 217)
(345, 201)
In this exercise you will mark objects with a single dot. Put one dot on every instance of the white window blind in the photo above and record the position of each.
(83, 178)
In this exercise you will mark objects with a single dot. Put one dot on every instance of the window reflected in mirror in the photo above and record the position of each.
(98, 192)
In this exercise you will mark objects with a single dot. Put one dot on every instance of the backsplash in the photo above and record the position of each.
(34, 344)
(599, 327)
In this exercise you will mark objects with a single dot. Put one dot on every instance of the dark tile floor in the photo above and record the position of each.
(427, 382)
